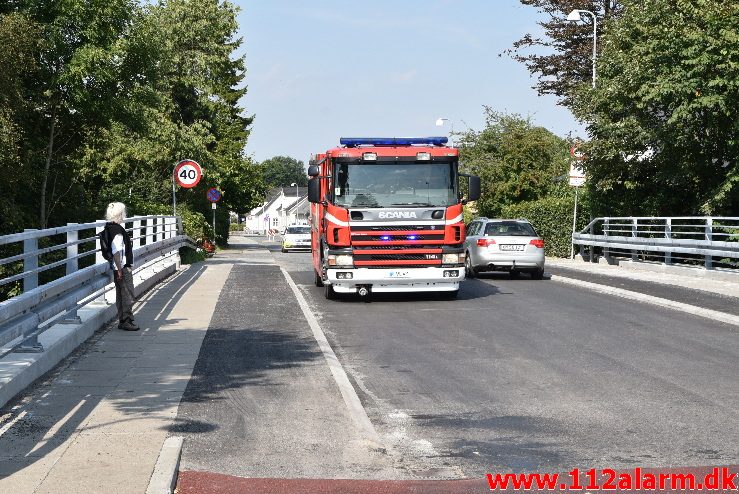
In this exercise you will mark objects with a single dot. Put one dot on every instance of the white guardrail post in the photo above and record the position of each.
(149, 238)
(30, 262)
(606, 250)
(709, 238)
(634, 230)
(668, 235)
(30, 282)
(72, 266)
(136, 234)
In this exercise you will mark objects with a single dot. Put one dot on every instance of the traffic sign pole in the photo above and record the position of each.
(577, 179)
(574, 222)
(214, 221)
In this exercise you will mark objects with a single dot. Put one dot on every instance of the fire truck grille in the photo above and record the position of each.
(398, 228)
(397, 247)
(388, 238)
(431, 258)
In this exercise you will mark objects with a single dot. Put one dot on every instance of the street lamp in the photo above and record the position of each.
(576, 16)
(440, 123)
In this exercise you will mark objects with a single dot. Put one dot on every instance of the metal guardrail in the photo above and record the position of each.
(707, 240)
(47, 265)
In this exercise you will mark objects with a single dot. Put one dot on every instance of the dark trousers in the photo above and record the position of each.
(124, 295)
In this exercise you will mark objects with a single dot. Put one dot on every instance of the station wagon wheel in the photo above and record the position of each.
(471, 273)
(538, 274)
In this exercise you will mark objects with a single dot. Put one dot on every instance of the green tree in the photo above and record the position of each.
(281, 171)
(19, 37)
(188, 107)
(664, 118)
(516, 161)
(566, 61)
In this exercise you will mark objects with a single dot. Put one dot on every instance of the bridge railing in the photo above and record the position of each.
(47, 275)
(710, 241)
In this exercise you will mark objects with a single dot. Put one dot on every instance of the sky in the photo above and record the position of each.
(320, 70)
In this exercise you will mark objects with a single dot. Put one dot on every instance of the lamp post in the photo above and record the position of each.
(295, 184)
(576, 16)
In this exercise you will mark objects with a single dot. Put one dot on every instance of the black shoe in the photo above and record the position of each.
(128, 326)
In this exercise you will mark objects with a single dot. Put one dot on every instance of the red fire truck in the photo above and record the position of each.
(386, 216)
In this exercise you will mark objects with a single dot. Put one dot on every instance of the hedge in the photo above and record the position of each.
(552, 219)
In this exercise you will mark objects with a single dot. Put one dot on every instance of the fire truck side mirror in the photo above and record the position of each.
(474, 189)
(312, 171)
(314, 190)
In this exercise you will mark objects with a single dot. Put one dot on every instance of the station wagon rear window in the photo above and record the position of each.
(509, 229)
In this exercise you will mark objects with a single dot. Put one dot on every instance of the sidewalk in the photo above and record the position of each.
(693, 279)
(98, 422)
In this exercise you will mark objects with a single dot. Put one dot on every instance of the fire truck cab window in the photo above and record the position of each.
(395, 184)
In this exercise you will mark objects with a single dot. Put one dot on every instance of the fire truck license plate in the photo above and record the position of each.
(397, 274)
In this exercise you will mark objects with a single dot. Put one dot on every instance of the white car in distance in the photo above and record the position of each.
(296, 237)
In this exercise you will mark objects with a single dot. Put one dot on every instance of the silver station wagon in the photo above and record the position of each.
(504, 245)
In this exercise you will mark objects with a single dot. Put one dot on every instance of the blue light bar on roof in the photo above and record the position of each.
(392, 141)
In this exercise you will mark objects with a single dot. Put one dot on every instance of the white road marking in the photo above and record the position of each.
(354, 405)
(649, 299)
(10, 424)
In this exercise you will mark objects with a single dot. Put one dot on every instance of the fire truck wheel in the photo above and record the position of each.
(328, 292)
(317, 278)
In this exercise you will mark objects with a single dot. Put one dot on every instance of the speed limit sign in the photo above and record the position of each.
(187, 173)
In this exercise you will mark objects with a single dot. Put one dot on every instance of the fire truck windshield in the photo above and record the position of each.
(379, 185)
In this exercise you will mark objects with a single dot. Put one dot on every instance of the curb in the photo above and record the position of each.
(649, 299)
(164, 478)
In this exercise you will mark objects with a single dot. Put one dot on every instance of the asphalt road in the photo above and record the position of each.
(515, 375)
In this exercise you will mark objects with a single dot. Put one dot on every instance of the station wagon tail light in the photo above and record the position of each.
(538, 243)
(369, 156)
(423, 156)
(485, 242)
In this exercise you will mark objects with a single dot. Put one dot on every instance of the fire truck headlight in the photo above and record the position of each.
(340, 260)
(451, 258)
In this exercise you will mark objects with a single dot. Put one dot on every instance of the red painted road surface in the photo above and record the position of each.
(205, 483)
(191, 482)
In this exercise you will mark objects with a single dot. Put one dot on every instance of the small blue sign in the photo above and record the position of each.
(214, 195)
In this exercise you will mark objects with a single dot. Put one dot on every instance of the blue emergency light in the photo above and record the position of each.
(392, 141)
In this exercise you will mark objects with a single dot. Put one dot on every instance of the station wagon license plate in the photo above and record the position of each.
(397, 274)
(515, 247)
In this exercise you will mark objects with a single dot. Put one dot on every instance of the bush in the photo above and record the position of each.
(235, 227)
(189, 255)
(552, 219)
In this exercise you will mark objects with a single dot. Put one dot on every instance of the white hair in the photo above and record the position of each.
(116, 212)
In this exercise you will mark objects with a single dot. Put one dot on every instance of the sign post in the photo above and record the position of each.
(187, 174)
(214, 195)
(577, 180)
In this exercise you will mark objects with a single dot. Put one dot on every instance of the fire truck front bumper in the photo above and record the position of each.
(394, 280)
